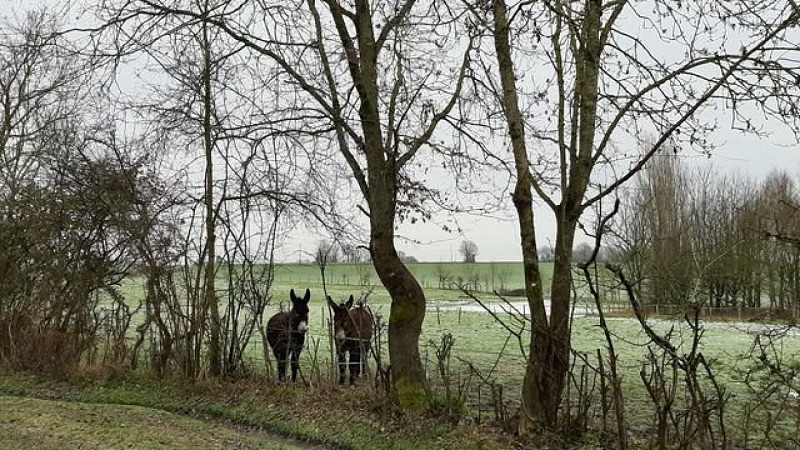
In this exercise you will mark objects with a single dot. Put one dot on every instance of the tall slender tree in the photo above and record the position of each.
(211, 302)
(608, 73)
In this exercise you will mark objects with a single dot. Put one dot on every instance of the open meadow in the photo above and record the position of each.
(486, 358)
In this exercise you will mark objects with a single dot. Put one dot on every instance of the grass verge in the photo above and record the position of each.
(348, 418)
(28, 423)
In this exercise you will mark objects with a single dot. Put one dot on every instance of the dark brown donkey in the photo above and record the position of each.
(352, 330)
(286, 333)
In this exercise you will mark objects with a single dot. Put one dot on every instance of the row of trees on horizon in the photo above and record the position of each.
(719, 240)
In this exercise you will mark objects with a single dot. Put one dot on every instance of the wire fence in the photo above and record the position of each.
(710, 313)
(476, 366)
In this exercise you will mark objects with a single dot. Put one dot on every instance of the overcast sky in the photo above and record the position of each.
(498, 239)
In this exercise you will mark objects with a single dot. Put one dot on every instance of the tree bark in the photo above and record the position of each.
(409, 387)
(407, 313)
(533, 407)
(210, 295)
(549, 352)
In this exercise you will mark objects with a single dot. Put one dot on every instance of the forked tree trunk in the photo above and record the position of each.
(549, 352)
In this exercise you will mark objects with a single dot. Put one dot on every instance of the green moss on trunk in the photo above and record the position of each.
(410, 395)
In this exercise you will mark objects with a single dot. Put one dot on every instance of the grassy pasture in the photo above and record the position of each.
(482, 342)
(479, 341)
(341, 277)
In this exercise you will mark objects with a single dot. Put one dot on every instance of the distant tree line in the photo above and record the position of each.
(335, 252)
(693, 235)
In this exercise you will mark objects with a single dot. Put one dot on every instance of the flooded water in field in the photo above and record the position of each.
(514, 307)
(744, 328)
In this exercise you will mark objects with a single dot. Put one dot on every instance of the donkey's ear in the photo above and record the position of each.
(331, 303)
(292, 296)
(350, 302)
(307, 297)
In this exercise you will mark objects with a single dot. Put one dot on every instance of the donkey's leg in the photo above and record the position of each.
(355, 363)
(281, 354)
(365, 360)
(341, 359)
(295, 352)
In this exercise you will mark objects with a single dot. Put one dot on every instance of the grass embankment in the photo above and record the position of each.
(336, 417)
(28, 423)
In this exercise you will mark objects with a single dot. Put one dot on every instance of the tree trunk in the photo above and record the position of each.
(546, 373)
(549, 352)
(210, 295)
(409, 387)
(533, 408)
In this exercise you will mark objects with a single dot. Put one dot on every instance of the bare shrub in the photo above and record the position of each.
(689, 402)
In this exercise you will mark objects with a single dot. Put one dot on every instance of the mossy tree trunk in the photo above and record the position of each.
(409, 387)
(407, 313)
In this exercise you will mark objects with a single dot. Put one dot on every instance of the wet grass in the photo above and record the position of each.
(29, 423)
(81, 411)
(482, 342)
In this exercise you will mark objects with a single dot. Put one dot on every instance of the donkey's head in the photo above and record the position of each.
(300, 311)
(341, 317)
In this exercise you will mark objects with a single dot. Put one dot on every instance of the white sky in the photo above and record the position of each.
(498, 239)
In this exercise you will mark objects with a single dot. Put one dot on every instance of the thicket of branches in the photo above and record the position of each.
(93, 200)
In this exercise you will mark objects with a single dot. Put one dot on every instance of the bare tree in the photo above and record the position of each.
(468, 251)
(780, 225)
(600, 84)
(582, 252)
(37, 69)
(406, 258)
(377, 95)
(326, 252)
(546, 253)
(210, 301)
(64, 216)
(664, 211)
(677, 218)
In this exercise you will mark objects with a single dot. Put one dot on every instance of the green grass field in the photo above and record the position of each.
(488, 347)
(342, 278)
